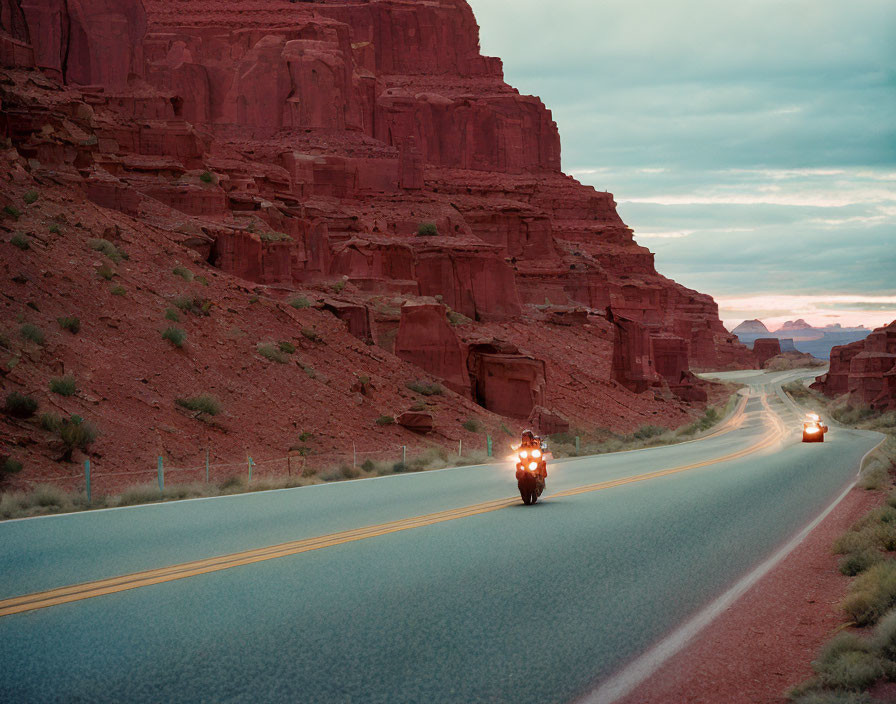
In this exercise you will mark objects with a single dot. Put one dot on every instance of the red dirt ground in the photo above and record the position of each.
(764, 643)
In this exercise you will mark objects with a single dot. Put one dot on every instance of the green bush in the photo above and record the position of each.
(206, 177)
(848, 662)
(204, 403)
(19, 405)
(193, 304)
(176, 336)
(202, 280)
(849, 415)
(64, 385)
(106, 247)
(310, 334)
(172, 315)
(349, 472)
(338, 286)
(385, 420)
(74, 432)
(19, 240)
(854, 563)
(472, 425)
(368, 465)
(8, 465)
(183, 273)
(645, 432)
(421, 387)
(105, 272)
(455, 318)
(54, 229)
(309, 370)
(70, 323)
(271, 352)
(286, 347)
(427, 229)
(872, 594)
(12, 211)
(118, 291)
(399, 467)
(30, 197)
(32, 333)
(274, 237)
(300, 302)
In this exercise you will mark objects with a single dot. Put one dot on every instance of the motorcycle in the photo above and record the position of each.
(530, 473)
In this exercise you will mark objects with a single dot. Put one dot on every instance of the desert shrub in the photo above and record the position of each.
(183, 273)
(884, 640)
(70, 323)
(274, 237)
(74, 432)
(849, 415)
(854, 563)
(427, 229)
(146, 494)
(385, 420)
(193, 304)
(645, 432)
(106, 247)
(271, 352)
(8, 465)
(19, 240)
(19, 405)
(419, 406)
(204, 403)
(872, 594)
(848, 662)
(421, 387)
(349, 472)
(31, 197)
(286, 347)
(48, 496)
(172, 315)
(176, 336)
(202, 280)
(368, 465)
(54, 229)
(206, 177)
(233, 484)
(455, 318)
(118, 291)
(300, 302)
(64, 385)
(309, 370)
(472, 425)
(105, 272)
(337, 287)
(310, 334)
(32, 333)
(12, 211)
(399, 467)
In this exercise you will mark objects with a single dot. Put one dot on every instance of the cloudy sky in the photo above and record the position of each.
(751, 145)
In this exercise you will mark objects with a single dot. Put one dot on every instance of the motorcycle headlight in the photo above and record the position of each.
(524, 455)
(812, 430)
(536, 453)
(533, 466)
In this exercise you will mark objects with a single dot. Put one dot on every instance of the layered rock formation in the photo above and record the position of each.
(866, 370)
(765, 348)
(367, 151)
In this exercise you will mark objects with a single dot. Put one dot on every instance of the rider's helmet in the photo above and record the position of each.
(528, 436)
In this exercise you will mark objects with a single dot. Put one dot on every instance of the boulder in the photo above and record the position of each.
(426, 340)
(547, 422)
(764, 349)
(416, 421)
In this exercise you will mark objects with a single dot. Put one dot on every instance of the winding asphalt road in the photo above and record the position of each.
(438, 587)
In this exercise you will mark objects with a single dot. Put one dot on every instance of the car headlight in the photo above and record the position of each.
(536, 453)
(533, 466)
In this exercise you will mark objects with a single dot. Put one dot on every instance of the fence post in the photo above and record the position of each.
(460, 447)
(87, 479)
(161, 475)
(488, 440)
(206, 465)
(404, 454)
(250, 463)
(354, 455)
(577, 443)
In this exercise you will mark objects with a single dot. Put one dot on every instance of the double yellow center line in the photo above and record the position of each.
(65, 595)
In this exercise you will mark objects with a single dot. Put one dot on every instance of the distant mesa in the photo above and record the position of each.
(794, 325)
(751, 327)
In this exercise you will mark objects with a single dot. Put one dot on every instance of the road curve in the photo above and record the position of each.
(436, 586)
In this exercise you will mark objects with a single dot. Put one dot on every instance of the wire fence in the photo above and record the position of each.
(296, 464)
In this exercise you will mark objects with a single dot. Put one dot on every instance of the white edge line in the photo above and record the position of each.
(636, 672)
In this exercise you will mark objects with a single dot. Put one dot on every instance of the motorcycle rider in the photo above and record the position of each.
(530, 441)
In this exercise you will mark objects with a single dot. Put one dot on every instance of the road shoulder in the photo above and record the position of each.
(764, 642)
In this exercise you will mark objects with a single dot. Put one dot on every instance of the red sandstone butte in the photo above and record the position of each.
(866, 370)
(362, 161)
(765, 348)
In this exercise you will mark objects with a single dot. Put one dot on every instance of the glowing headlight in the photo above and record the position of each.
(524, 455)
(533, 466)
(812, 430)
(536, 453)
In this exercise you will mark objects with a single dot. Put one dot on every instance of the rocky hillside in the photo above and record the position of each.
(343, 208)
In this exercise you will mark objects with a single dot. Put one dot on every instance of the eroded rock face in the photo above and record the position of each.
(505, 380)
(426, 340)
(866, 370)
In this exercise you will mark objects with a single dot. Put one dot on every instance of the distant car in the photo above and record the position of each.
(814, 429)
